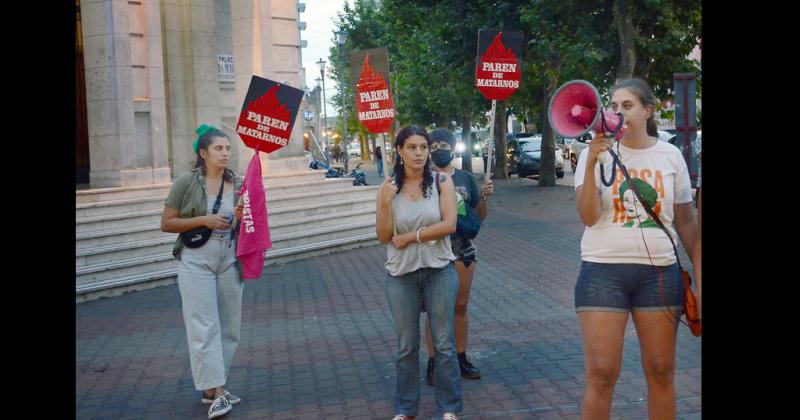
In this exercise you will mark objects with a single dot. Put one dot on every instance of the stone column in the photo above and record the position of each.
(124, 93)
(190, 59)
(265, 44)
(157, 94)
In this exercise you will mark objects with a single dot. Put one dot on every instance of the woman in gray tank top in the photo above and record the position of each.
(415, 217)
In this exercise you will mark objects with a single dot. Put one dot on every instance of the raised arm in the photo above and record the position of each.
(384, 220)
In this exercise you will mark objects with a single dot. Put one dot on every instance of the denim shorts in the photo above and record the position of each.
(463, 249)
(626, 287)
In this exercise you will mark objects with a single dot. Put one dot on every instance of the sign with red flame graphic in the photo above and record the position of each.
(499, 64)
(374, 100)
(268, 114)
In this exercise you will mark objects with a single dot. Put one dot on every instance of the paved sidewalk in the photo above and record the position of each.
(318, 341)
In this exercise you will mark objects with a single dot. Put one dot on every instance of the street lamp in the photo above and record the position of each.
(321, 64)
(320, 128)
(341, 37)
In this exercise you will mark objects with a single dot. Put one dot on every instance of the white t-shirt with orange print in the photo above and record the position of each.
(619, 237)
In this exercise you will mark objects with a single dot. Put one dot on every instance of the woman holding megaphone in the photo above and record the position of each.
(628, 263)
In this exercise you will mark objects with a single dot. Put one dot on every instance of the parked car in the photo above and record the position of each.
(697, 149)
(667, 136)
(697, 145)
(525, 154)
(563, 144)
(576, 147)
(354, 150)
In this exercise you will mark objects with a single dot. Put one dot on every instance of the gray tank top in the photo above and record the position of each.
(408, 217)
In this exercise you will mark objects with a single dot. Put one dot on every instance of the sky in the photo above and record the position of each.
(319, 17)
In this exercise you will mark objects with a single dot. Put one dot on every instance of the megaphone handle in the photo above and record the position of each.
(613, 169)
(614, 166)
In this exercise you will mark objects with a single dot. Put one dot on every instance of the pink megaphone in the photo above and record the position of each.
(575, 110)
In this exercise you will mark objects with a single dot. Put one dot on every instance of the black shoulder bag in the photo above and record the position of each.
(197, 237)
(467, 226)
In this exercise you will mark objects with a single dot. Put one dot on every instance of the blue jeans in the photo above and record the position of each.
(438, 288)
(380, 167)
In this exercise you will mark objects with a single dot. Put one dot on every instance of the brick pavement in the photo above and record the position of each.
(318, 342)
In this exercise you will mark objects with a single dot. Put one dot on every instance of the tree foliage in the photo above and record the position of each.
(432, 49)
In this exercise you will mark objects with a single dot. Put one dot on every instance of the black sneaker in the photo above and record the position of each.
(429, 373)
(467, 369)
(219, 407)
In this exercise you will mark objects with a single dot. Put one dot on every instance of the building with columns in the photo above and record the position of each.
(150, 71)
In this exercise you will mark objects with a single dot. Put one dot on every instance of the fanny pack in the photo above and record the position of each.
(197, 237)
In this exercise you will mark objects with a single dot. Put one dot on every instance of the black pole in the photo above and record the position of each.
(344, 111)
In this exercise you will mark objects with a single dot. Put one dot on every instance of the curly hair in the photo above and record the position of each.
(399, 172)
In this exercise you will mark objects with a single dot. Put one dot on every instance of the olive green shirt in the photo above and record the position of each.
(188, 196)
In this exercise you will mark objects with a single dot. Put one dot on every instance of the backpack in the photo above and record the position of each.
(468, 223)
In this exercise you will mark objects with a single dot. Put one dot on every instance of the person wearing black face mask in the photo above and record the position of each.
(442, 144)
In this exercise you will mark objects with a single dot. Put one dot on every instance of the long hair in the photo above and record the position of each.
(203, 144)
(640, 88)
(399, 170)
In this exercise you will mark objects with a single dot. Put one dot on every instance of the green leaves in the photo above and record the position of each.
(433, 44)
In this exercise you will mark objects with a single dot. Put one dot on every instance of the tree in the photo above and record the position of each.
(663, 34)
(435, 62)
(604, 41)
(564, 44)
(365, 30)
(432, 47)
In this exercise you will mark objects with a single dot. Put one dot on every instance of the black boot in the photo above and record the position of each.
(429, 373)
(467, 369)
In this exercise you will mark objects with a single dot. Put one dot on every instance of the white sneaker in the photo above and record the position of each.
(233, 399)
(219, 407)
(449, 416)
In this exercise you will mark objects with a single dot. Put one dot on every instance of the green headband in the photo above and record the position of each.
(201, 131)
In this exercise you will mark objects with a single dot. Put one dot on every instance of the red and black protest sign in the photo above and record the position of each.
(374, 100)
(268, 114)
(499, 64)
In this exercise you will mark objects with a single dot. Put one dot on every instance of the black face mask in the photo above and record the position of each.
(442, 158)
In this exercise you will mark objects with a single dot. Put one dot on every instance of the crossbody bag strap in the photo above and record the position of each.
(391, 208)
(219, 196)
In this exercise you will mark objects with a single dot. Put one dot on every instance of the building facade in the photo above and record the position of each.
(150, 71)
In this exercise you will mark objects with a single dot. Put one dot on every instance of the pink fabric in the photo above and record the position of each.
(254, 238)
